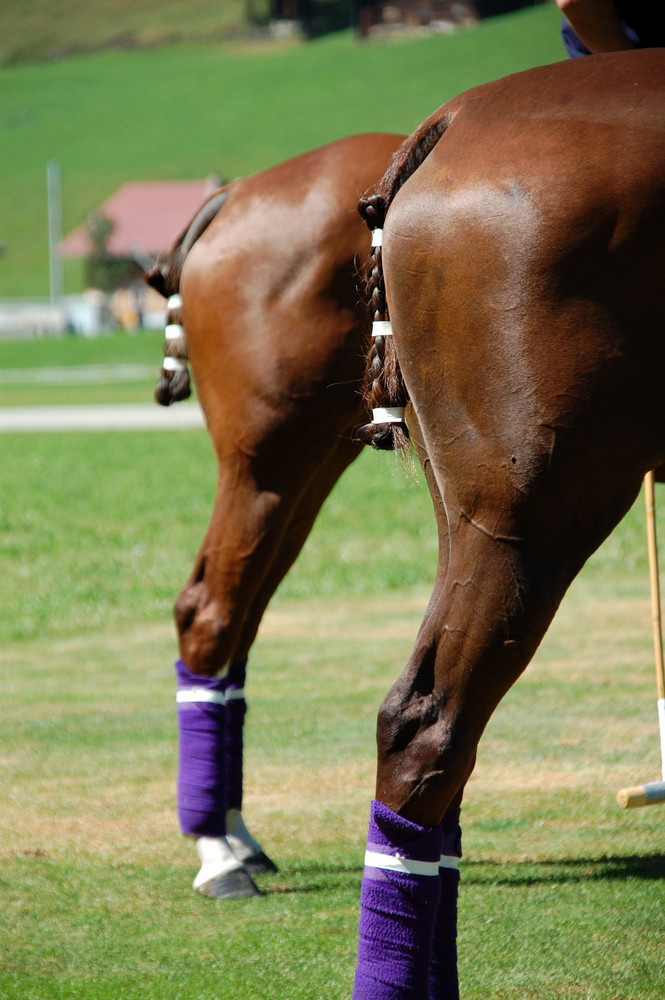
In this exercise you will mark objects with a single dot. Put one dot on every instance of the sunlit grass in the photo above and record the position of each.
(97, 534)
(561, 891)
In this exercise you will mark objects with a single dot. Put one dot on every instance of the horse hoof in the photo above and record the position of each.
(260, 864)
(235, 884)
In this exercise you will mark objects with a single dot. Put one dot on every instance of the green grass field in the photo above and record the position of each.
(562, 891)
(35, 372)
(187, 111)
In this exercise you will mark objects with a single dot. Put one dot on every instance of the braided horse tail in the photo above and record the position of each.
(175, 383)
(384, 390)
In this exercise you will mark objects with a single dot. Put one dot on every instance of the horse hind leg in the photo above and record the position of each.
(301, 519)
(489, 611)
(217, 624)
(210, 767)
(201, 792)
(210, 776)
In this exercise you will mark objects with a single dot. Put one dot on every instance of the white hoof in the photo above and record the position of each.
(222, 875)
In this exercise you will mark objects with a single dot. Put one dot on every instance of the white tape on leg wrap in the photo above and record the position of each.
(235, 694)
(200, 696)
(390, 863)
(449, 861)
(388, 415)
(382, 328)
(174, 365)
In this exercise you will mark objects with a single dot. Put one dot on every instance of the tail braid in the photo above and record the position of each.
(384, 386)
(385, 391)
(175, 381)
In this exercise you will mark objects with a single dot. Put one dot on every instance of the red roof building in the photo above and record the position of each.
(146, 218)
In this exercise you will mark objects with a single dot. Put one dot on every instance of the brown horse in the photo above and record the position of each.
(523, 252)
(269, 313)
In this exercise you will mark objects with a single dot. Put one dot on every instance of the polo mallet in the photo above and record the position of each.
(650, 794)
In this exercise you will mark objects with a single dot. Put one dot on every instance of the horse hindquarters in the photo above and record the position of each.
(537, 441)
(521, 261)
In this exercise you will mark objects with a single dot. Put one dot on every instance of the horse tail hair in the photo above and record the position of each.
(384, 389)
(175, 381)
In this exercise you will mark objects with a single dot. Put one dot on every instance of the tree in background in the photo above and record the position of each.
(102, 270)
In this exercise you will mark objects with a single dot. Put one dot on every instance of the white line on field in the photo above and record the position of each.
(101, 417)
(78, 374)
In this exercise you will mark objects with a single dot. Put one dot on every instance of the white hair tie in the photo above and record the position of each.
(382, 328)
(388, 415)
(174, 365)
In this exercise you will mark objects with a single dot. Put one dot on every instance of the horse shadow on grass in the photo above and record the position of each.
(605, 868)
(313, 877)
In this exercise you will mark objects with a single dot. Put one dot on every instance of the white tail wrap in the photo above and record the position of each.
(174, 302)
(382, 328)
(377, 237)
(388, 415)
(390, 863)
(174, 365)
(173, 331)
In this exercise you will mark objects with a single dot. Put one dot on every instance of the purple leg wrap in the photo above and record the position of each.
(443, 984)
(201, 725)
(398, 904)
(236, 707)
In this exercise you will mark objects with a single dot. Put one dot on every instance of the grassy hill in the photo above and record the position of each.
(186, 111)
(47, 29)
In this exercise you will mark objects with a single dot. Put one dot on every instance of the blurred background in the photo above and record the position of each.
(116, 119)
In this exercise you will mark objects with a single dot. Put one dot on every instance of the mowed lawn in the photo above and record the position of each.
(562, 890)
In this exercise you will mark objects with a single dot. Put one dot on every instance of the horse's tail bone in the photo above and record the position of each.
(384, 389)
(175, 383)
